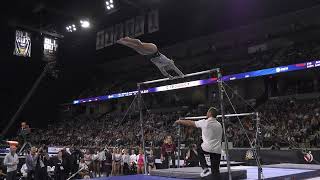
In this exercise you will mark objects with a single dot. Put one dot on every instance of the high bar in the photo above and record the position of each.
(187, 75)
(219, 116)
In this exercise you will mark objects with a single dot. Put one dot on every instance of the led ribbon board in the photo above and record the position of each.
(250, 74)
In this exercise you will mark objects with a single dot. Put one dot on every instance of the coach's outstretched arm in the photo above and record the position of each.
(141, 47)
(186, 123)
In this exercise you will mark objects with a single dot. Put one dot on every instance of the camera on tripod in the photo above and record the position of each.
(24, 134)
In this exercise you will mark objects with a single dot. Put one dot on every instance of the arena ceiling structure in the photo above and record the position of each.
(179, 20)
(78, 58)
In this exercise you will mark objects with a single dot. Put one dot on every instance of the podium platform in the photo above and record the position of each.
(194, 173)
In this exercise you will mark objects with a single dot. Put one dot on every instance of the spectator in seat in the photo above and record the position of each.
(151, 161)
(168, 150)
(11, 160)
(125, 162)
(192, 159)
(108, 162)
(101, 159)
(41, 165)
(140, 162)
(117, 158)
(133, 162)
(24, 171)
(84, 168)
(60, 166)
(31, 161)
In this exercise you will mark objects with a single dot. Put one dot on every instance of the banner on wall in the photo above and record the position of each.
(22, 44)
(153, 21)
(118, 32)
(129, 28)
(139, 26)
(108, 37)
(100, 40)
(50, 48)
(133, 27)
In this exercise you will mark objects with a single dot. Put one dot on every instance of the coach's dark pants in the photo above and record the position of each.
(214, 159)
(11, 175)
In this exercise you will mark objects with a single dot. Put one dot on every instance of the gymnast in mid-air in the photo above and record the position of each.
(151, 51)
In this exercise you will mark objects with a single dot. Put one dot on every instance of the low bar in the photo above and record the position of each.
(219, 116)
(187, 75)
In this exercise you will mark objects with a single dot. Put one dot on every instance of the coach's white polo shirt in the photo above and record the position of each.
(211, 135)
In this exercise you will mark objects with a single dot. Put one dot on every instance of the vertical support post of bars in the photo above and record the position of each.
(258, 132)
(221, 91)
(141, 129)
(179, 144)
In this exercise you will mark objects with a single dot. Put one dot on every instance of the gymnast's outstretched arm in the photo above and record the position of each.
(141, 47)
(165, 73)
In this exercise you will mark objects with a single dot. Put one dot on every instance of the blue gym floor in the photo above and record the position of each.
(268, 172)
(252, 172)
(137, 177)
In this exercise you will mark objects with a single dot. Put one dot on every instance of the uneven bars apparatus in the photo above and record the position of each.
(163, 80)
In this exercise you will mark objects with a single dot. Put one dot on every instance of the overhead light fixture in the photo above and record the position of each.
(71, 28)
(109, 5)
(85, 23)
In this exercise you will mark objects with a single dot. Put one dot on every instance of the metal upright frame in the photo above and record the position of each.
(225, 137)
(257, 146)
(141, 129)
(256, 149)
(179, 144)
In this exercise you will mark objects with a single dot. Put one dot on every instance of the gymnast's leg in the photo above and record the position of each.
(161, 61)
(140, 47)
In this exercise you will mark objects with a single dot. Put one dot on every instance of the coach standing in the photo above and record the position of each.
(11, 160)
(211, 137)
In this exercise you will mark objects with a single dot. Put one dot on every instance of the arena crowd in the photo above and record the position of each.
(109, 144)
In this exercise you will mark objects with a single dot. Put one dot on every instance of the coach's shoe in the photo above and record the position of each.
(205, 172)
